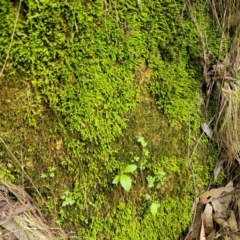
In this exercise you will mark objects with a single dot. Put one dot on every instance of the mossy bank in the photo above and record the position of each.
(85, 84)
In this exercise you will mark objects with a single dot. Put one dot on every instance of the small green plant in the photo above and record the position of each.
(145, 152)
(142, 141)
(151, 181)
(50, 173)
(154, 205)
(67, 199)
(124, 179)
(156, 180)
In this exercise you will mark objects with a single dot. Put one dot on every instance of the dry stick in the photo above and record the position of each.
(212, 3)
(11, 40)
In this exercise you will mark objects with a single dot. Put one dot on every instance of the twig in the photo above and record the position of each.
(11, 40)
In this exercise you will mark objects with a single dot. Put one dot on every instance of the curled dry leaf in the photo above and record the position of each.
(214, 193)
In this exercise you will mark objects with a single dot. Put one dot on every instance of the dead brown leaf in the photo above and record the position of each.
(211, 236)
(219, 220)
(233, 222)
(208, 219)
(236, 235)
(194, 229)
(218, 168)
(202, 233)
(221, 209)
(214, 193)
(58, 144)
(226, 200)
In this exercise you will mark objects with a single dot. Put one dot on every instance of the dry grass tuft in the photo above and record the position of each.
(221, 79)
(227, 125)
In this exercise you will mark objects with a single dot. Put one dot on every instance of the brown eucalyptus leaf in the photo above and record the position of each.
(230, 184)
(219, 220)
(224, 215)
(218, 168)
(208, 219)
(219, 207)
(202, 232)
(214, 193)
(236, 235)
(233, 222)
(194, 229)
(211, 236)
(226, 200)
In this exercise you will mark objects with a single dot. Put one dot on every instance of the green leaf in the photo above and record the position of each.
(130, 168)
(126, 182)
(154, 208)
(68, 202)
(141, 140)
(52, 174)
(116, 180)
(136, 159)
(145, 152)
(151, 181)
(43, 175)
(147, 197)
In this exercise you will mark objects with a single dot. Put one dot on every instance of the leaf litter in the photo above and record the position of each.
(216, 214)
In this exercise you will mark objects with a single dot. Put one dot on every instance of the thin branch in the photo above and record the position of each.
(11, 40)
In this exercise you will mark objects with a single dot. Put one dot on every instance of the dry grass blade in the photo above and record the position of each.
(227, 126)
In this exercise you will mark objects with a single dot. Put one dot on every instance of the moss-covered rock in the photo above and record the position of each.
(82, 81)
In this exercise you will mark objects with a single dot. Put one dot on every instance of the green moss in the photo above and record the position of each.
(124, 222)
(76, 90)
